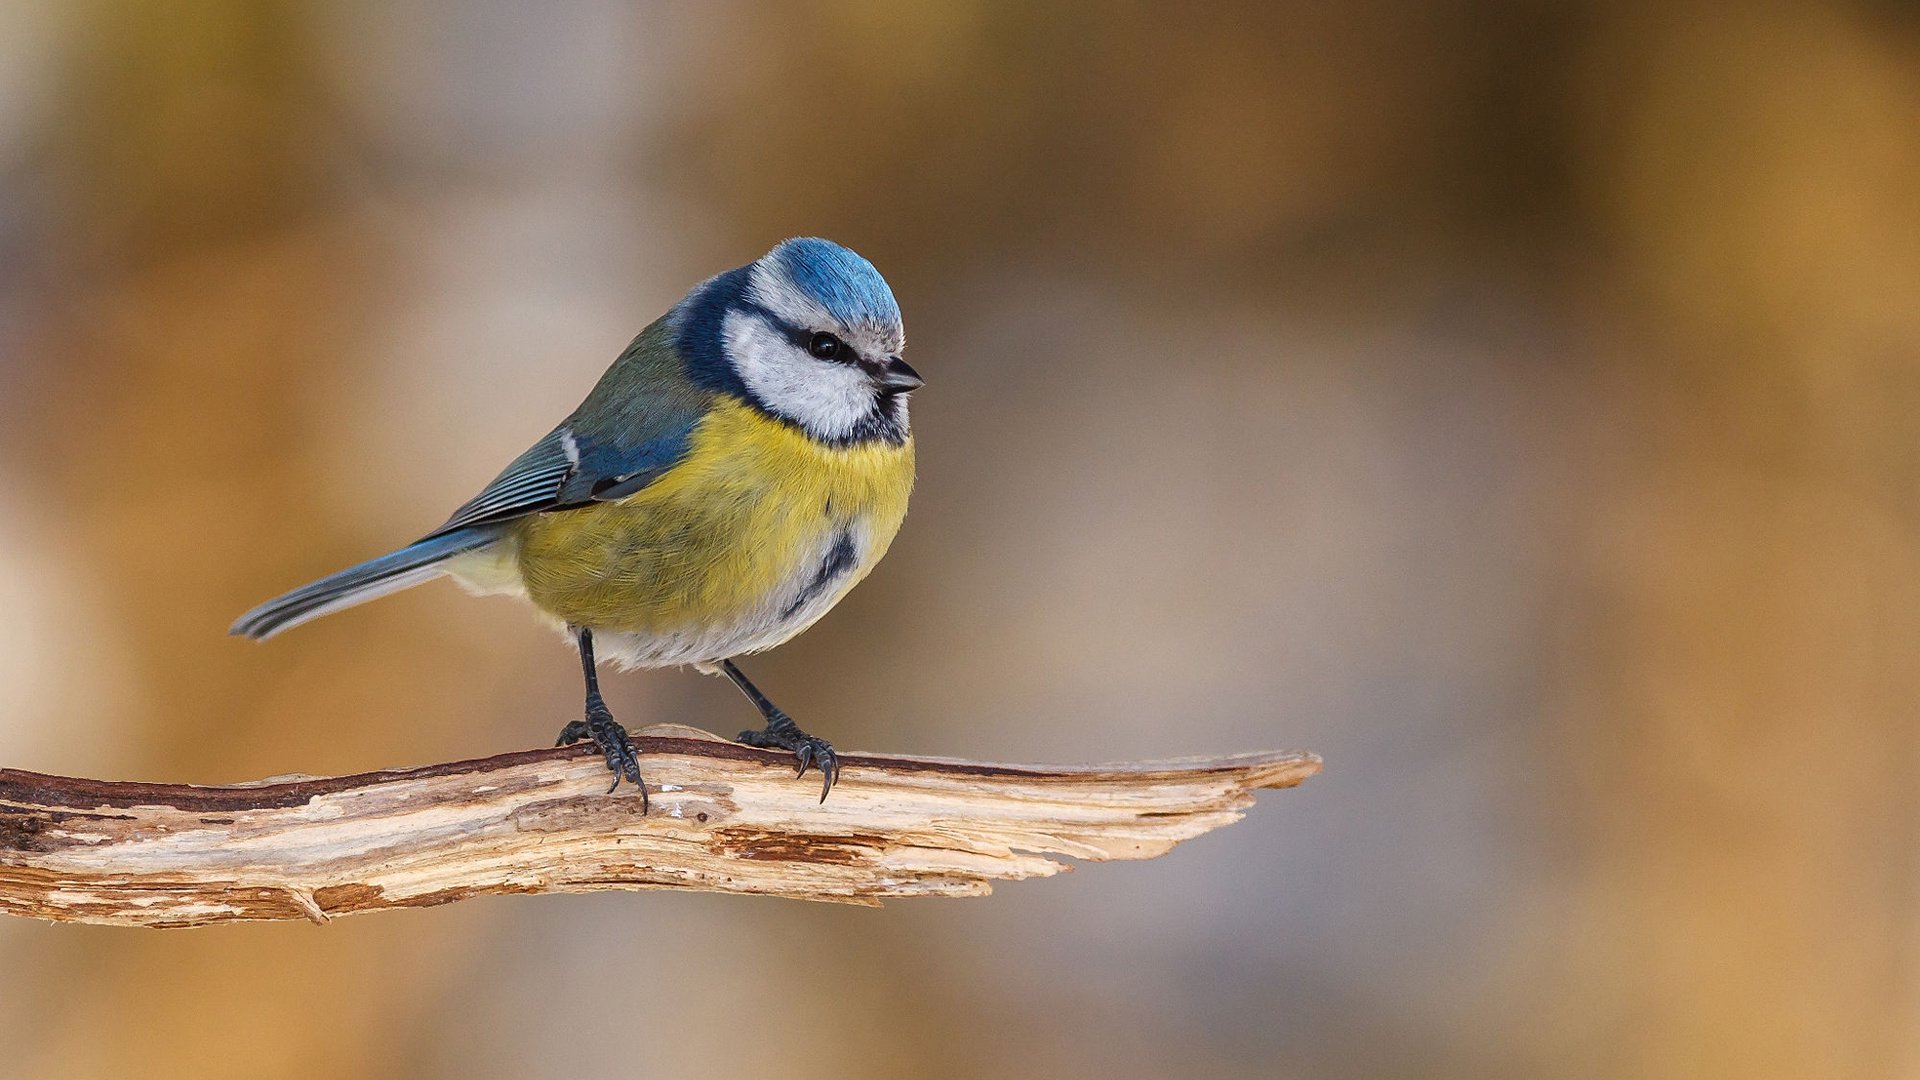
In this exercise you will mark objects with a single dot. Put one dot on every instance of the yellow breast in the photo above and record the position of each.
(720, 546)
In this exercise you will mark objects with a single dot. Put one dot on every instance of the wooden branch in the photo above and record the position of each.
(725, 817)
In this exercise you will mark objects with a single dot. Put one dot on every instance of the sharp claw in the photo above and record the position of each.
(616, 749)
(808, 752)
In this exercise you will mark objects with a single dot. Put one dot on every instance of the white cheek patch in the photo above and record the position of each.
(826, 398)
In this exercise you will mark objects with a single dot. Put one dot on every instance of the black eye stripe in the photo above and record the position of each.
(801, 337)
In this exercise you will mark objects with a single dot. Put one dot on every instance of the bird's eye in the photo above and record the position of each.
(825, 346)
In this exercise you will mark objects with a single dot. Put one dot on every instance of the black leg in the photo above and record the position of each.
(781, 733)
(599, 725)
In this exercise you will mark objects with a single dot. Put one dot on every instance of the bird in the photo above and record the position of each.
(739, 468)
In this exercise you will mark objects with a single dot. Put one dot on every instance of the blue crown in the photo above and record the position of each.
(842, 282)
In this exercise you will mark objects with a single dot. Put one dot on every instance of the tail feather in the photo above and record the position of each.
(370, 580)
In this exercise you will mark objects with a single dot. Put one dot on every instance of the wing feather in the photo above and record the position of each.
(529, 485)
(563, 471)
(633, 427)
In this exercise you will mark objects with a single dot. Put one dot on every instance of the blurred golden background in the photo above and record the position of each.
(1510, 401)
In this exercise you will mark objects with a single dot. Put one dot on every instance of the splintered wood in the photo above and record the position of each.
(724, 818)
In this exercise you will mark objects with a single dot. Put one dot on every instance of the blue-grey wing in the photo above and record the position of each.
(529, 485)
(567, 469)
(634, 426)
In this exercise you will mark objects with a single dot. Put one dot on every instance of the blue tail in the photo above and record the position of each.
(375, 578)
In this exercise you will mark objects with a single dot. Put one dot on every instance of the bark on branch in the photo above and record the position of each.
(725, 817)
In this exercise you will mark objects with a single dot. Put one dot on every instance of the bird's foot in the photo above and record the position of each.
(612, 740)
(781, 733)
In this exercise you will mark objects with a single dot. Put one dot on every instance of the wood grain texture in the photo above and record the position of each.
(725, 818)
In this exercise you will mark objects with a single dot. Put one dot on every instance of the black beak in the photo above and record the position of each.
(900, 378)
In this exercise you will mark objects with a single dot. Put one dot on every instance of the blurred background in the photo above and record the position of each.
(1511, 401)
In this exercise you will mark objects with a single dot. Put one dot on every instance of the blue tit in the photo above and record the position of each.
(741, 466)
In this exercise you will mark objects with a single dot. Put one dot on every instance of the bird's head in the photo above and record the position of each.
(809, 333)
